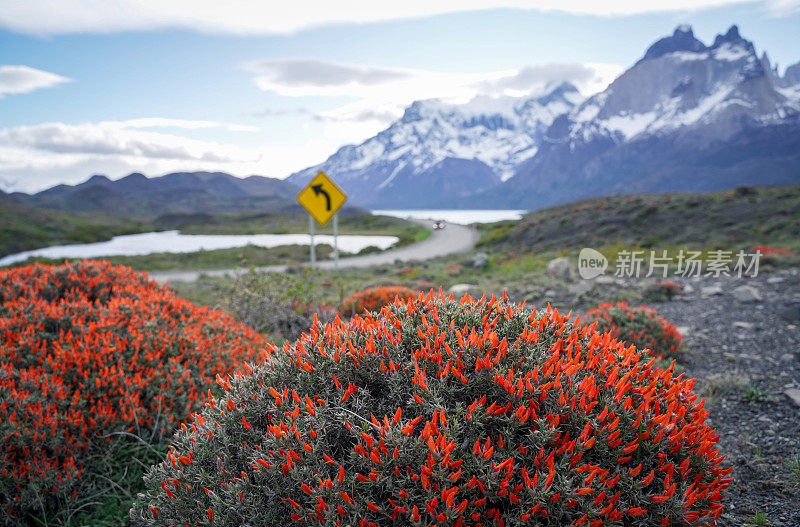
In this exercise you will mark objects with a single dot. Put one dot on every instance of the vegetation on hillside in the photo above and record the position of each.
(25, 228)
(741, 217)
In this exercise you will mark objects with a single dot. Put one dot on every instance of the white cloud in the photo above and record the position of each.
(779, 8)
(589, 77)
(24, 79)
(113, 138)
(273, 16)
(38, 156)
(161, 122)
(309, 75)
(383, 93)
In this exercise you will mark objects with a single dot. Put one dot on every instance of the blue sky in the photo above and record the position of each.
(138, 85)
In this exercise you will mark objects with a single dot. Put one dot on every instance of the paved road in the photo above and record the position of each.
(450, 240)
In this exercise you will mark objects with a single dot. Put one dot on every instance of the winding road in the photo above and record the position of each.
(451, 240)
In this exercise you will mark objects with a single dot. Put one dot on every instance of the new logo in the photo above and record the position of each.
(591, 263)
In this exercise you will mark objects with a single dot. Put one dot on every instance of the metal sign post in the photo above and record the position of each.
(336, 241)
(313, 250)
(322, 198)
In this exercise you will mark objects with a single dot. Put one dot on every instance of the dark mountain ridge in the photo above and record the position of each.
(175, 193)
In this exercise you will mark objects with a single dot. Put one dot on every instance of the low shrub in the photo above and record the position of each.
(92, 353)
(661, 291)
(640, 327)
(445, 412)
(279, 303)
(375, 298)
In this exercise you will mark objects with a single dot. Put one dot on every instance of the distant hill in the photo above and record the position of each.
(741, 217)
(25, 228)
(176, 193)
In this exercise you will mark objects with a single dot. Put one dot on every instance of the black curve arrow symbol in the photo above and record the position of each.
(318, 190)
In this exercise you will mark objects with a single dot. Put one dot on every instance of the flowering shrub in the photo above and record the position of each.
(641, 327)
(445, 412)
(375, 298)
(91, 351)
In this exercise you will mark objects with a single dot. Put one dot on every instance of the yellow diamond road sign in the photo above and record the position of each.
(321, 198)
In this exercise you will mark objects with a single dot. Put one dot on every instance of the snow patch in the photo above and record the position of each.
(730, 53)
(587, 113)
(630, 125)
(688, 56)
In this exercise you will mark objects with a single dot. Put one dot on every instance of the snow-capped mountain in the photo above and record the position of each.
(439, 150)
(680, 82)
(685, 117)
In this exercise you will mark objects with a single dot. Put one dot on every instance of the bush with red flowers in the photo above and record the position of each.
(92, 352)
(639, 326)
(766, 249)
(445, 412)
(375, 298)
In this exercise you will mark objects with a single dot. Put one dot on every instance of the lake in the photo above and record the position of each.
(174, 242)
(463, 217)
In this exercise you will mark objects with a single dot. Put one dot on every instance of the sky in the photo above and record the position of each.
(269, 88)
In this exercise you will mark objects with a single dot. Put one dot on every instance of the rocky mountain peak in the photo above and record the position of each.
(565, 91)
(731, 37)
(791, 77)
(682, 39)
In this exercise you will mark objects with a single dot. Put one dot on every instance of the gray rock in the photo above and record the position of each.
(711, 290)
(747, 294)
(685, 331)
(787, 357)
(561, 268)
(605, 280)
(791, 313)
(462, 288)
(775, 279)
(579, 288)
(479, 260)
(794, 395)
(743, 325)
(688, 289)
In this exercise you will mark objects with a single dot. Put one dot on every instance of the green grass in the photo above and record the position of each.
(126, 459)
(794, 466)
(755, 396)
(288, 223)
(249, 255)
